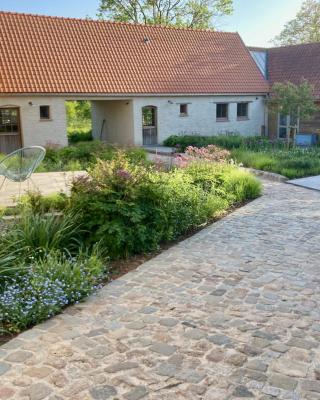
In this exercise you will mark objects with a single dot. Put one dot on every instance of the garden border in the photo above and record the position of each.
(271, 176)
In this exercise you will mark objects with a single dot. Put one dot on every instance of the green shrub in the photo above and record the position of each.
(76, 135)
(135, 155)
(81, 155)
(230, 142)
(132, 209)
(47, 286)
(39, 203)
(226, 181)
(240, 185)
(225, 141)
(83, 152)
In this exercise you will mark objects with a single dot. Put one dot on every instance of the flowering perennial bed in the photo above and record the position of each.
(121, 208)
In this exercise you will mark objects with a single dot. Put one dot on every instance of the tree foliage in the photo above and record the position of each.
(181, 13)
(78, 113)
(294, 100)
(304, 28)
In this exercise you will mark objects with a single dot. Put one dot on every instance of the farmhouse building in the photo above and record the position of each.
(291, 64)
(145, 83)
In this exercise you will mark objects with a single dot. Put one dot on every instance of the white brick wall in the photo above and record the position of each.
(37, 132)
(201, 119)
(118, 121)
(124, 117)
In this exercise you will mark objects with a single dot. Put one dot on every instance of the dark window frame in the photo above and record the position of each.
(183, 109)
(243, 106)
(222, 112)
(47, 116)
(9, 120)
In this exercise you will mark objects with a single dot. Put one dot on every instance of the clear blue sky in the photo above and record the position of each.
(257, 21)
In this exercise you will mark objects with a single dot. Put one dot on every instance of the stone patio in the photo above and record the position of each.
(55, 182)
(230, 313)
(45, 182)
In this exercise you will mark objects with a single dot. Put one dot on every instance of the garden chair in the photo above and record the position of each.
(19, 165)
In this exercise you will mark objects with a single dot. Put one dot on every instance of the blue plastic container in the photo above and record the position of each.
(306, 139)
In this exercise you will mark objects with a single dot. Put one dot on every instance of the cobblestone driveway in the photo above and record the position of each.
(232, 312)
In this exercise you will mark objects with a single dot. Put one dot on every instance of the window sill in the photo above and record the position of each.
(183, 115)
(242, 119)
(222, 120)
(45, 119)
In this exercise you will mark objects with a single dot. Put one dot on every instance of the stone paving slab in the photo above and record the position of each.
(230, 313)
(311, 182)
(45, 182)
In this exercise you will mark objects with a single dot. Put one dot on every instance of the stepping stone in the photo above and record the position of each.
(163, 348)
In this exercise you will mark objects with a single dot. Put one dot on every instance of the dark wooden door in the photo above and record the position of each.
(149, 125)
(10, 132)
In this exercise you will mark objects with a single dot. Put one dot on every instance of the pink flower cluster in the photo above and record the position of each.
(181, 160)
(209, 153)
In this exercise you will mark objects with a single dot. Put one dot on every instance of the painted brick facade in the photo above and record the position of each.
(201, 119)
(123, 118)
(35, 131)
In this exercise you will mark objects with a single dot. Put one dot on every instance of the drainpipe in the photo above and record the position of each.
(102, 126)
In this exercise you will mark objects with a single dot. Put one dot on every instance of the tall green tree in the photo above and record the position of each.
(297, 101)
(304, 28)
(181, 13)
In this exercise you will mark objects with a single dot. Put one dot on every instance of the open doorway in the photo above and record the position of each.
(149, 125)
(79, 121)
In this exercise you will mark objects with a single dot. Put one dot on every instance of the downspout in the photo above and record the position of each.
(266, 108)
(101, 131)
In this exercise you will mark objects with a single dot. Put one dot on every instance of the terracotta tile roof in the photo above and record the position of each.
(294, 63)
(41, 54)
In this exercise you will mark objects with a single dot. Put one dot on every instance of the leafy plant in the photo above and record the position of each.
(231, 141)
(81, 155)
(259, 153)
(183, 13)
(46, 288)
(133, 208)
(304, 28)
(297, 101)
(33, 235)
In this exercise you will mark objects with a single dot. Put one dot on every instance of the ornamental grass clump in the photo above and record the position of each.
(44, 267)
(33, 234)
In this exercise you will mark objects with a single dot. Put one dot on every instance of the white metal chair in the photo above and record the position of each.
(19, 165)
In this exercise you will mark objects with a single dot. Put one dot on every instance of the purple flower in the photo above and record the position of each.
(124, 174)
